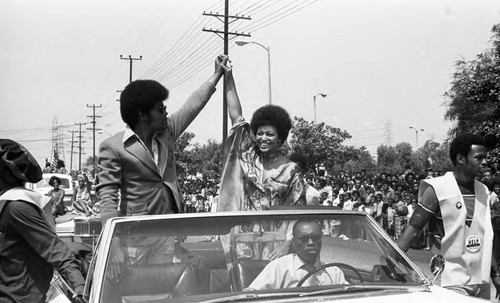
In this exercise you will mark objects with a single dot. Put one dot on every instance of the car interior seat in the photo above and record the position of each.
(155, 281)
(245, 271)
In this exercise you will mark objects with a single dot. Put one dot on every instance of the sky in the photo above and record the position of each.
(384, 65)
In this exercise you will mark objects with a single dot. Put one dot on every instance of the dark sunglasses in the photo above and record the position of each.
(306, 238)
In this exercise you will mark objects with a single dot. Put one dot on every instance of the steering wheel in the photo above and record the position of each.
(321, 267)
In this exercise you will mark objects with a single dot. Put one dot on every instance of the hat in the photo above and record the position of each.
(19, 161)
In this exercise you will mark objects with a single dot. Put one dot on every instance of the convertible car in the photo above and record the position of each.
(215, 257)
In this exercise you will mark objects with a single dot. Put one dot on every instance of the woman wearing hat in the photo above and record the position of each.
(30, 250)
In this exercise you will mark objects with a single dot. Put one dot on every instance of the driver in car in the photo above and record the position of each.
(288, 270)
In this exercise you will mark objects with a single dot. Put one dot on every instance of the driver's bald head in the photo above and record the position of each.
(301, 223)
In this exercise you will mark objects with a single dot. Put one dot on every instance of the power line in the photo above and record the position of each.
(31, 129)
(259, 7)
(365, 130)
(249, 10)
(198, 69)
(265, 21)
(210, 48)
(181, 64)
(278, 15)
(165, 59)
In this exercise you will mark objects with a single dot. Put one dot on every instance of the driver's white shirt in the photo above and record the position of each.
(287, 271)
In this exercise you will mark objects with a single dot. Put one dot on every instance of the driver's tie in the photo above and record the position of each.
(313, 279)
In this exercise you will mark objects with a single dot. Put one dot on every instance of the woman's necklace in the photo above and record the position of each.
(270, 158)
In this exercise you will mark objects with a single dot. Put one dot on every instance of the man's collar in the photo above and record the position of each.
(129, 133)
(298, 263)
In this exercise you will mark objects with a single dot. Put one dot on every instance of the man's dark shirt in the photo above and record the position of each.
(428, 210)
(29, 250)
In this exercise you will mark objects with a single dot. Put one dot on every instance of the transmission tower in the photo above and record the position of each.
(388, 133)
(55, 139)
(60, 143)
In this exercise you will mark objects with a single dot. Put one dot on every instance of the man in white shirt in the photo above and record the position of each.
(287, 271)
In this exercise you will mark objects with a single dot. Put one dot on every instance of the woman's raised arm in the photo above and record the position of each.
(233, 101)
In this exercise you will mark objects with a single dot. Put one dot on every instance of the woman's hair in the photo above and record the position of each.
(53, 179)
(86, 181)
(140, 96)
(272, 115)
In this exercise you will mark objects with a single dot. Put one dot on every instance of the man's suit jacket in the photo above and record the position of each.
(130, 183)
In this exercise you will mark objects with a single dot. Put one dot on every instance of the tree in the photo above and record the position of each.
(387, 160)
(398, 159)
(364, 161)
(323, 144)
(435, 156)
(404, 154)
(183, 158)
(473, 100)
(207, 159)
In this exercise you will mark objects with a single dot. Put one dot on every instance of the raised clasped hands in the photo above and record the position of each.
(220, 63)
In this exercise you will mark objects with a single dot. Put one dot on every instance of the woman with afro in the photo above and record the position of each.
(256, 175)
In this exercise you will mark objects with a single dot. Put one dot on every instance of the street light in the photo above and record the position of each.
(416, 134)
(268, 50)
(314, 100)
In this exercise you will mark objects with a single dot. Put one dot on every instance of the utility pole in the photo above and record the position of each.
(130, 59)
(72, 144)
(55, 139)
(93, 129)
(80, 144)
(225, 19)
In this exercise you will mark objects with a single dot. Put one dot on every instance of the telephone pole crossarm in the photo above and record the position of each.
(130, 59)
(216, 31)
(236, 17)
(226, 19)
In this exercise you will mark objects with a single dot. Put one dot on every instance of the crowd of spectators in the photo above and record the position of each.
(389, 198)
(199, 194)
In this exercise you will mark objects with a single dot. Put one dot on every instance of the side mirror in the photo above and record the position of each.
(437, 266)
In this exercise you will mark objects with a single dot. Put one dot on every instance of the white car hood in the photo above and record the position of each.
(435, 295)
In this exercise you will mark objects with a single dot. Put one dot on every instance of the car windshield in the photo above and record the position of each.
(202, 257)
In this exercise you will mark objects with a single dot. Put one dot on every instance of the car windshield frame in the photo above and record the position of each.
(222, 224)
